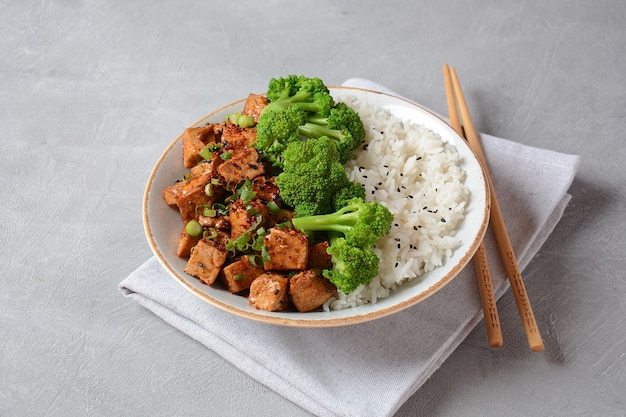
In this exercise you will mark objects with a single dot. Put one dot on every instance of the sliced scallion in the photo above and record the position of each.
(273, 207)
(193, 228)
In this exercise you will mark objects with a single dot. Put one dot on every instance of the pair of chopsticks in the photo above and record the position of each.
(454, 96)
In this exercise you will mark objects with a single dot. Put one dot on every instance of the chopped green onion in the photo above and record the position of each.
(257, 244)
(239, 277)
(241, 243)
(201, 207)
(222, 209)
(245, 186)
(283, 225)
(243, 240)
(256, 260)
(193, 228)
(247, 195)
(210, 233)
(225, 156)
(209, 212)
(245, 121)
(265, 254)
(258, 220)
(215, 181)
(206, 153)
(273, 207)
(208, 190)
(241, 120)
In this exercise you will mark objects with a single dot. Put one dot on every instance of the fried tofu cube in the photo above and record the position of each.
(319, 257)
(266, 189)
(245, 165)
(287, 249)
(194, 140)
(235, 138)
(206, 171)
(193, 195)
(206, 261)
(185, 243)
(309, 291)
(244, 215)
(207, 167)
(253, 106)
(172, 193)
(269, 292)
(239, 275)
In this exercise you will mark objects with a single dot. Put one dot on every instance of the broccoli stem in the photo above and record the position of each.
(313, 130)
(300, 98)
(341, 221)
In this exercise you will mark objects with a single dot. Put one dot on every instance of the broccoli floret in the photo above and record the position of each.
(352, 265)
(279, 127)
(275, 130)
(361, 223)
(344, 195)
(352, 232)
(310, 94)
(282, 87)
(311, 176)
(342, 124)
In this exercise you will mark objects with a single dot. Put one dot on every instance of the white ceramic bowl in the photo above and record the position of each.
(163, 224)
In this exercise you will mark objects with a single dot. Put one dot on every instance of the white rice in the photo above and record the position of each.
(413, 172)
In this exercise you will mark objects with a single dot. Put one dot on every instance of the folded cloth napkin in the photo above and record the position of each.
(371, 369)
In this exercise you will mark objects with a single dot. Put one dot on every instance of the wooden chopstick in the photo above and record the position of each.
(497, 221)
(481, 265)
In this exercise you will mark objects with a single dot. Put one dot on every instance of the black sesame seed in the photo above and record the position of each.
(443, 220)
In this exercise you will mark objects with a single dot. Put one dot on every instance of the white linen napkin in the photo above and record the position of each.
(371, 369)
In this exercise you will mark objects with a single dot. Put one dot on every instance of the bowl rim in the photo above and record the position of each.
(301, 320)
